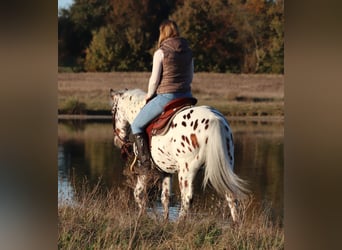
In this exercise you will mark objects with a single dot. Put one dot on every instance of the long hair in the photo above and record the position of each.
(167, 29)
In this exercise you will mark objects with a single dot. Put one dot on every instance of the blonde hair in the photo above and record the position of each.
(167, 29)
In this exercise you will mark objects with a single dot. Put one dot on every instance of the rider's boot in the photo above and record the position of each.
(144, 156)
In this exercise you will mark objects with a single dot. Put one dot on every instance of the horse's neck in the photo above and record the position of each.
(134, 104)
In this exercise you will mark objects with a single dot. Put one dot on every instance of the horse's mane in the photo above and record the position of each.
(138, 93)
(135, 95)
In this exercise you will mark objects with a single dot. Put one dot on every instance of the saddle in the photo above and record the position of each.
(161, 124)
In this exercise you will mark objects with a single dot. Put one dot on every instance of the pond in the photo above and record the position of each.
(86, 151)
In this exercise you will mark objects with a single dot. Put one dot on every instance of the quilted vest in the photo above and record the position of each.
(177, 63)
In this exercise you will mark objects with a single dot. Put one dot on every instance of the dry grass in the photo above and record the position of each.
(106, 220)
(234, 95)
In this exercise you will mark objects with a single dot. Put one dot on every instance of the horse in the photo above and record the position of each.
(198, 137)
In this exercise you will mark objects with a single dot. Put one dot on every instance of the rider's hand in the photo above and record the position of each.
(146, 98)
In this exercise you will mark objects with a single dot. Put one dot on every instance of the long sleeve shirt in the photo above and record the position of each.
(155, 77)
(156, 74)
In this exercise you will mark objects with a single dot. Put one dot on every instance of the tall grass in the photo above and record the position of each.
(73, 106)
(108, 219)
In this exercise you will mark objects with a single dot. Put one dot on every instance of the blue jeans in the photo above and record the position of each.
(152, 109)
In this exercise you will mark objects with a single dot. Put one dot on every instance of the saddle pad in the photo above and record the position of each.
(161, 124)
(171, 108)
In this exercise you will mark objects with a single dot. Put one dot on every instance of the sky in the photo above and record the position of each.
(64, 3)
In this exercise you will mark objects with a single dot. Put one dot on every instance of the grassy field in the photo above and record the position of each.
(233, 95)
(110, 220)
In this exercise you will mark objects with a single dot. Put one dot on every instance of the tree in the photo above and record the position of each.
(129, 36)
(76, 26)
(260, 32)
(226, 36)
(208, 27)
(100, 54)
(274, 61)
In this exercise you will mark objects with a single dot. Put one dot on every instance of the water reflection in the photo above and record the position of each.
(85, 150)
(65, 190)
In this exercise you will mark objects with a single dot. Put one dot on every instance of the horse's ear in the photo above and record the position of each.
(111, 92)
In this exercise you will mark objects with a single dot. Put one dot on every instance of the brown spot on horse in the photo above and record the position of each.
(194, 141)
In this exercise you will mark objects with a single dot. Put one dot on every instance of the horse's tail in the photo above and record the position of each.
(220, 159)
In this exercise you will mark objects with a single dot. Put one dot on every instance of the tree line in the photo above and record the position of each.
(237, 36)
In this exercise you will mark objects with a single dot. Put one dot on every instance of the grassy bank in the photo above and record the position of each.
(110, 221)
(233, 95)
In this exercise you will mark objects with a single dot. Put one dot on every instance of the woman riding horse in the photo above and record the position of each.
(171, 78)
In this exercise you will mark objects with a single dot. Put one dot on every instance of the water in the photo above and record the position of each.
(86, 151)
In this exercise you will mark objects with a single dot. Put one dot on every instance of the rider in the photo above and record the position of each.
(172, 73)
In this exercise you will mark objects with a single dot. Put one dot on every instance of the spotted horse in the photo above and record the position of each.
(198, 137)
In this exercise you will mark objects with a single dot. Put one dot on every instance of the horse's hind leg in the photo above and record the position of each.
(140, 192)
(165, 195)
(232, 203)
(185, 179)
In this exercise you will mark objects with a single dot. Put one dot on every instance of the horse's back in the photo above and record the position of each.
(186, 139)
(191, 122)
(196, 118)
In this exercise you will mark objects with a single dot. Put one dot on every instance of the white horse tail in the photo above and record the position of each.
(220, 159)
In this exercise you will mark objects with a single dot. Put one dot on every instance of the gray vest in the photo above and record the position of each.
(177, 66)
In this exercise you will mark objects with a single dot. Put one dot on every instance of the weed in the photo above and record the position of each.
(74, 106)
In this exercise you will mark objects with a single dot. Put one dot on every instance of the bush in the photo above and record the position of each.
(100, 54)
(74, 106)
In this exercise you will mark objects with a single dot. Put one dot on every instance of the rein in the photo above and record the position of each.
(126, 144)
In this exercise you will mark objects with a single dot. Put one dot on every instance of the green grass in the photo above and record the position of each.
(62, 69)
(73, 105)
